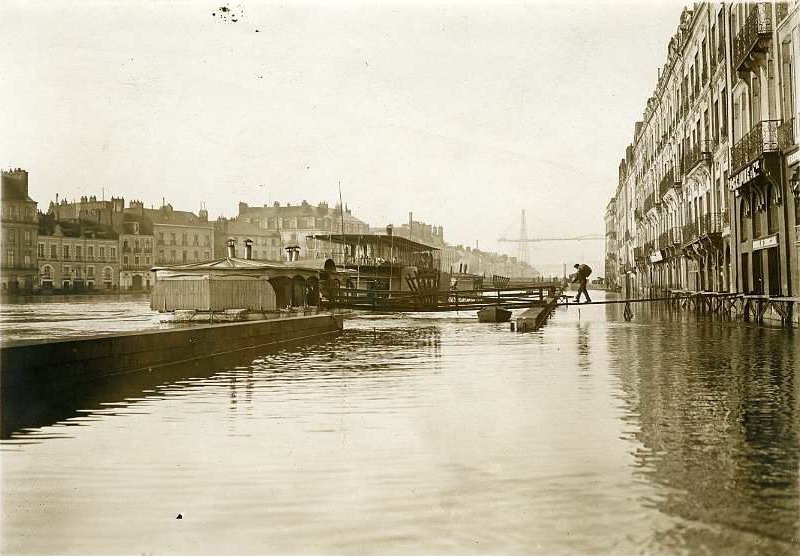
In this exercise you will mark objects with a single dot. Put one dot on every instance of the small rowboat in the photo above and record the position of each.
(494, 313)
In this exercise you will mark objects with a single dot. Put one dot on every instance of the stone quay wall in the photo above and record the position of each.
(53, 364)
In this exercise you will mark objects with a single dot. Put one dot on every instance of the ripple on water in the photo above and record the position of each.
(422, 434)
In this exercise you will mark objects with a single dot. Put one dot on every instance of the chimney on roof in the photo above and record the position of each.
(231, 248)
(248, 249)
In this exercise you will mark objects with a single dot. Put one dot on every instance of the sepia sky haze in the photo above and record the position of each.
(464, 112)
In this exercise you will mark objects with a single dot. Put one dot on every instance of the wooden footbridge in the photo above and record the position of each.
(427, 299)
(543, 297)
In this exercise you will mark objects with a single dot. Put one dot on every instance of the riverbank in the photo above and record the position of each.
(55, 364)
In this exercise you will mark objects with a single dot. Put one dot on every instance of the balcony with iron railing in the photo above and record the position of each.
(699, 152)
(721, 50)
(761, 139)
(676, 235)
(648, 203)
(753, 36)
(786, 135)
(707, 225)
(781, 11)
(667, 182)
(663, 240)
(689, 233)
(710, 223)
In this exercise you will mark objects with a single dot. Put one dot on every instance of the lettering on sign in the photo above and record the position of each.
(793, 158)
(751, 172)
(764, 242)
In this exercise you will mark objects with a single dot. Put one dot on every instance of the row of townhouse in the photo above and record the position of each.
(91, 243)
(707, 197)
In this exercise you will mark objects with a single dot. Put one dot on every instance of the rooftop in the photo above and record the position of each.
(375, 239)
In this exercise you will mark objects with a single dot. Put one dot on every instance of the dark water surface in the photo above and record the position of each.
(426, 434)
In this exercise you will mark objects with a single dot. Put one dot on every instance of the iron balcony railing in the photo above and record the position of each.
(707, 224)
(648, 203)
(699, 152)
(667, 182)
(663, 240)
(786, 135)
(726, 218)
(757, 25)
(721, 50)
(781, 11)
(689, 232)
(759, 140)
(710, 223)
(676, 235)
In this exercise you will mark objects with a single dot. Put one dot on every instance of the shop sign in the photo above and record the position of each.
(793, 158)
(765, 242)
(656, 257)
(751, 172)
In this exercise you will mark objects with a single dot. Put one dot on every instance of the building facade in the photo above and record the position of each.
(180, 236)
(707, 194)
(136, 248)
(266, 243)
(295, 224)
(19, 234)
(76, 255)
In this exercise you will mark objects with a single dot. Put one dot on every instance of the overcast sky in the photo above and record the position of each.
(464, 112)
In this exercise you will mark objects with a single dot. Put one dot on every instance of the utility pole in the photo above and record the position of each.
(523, 254)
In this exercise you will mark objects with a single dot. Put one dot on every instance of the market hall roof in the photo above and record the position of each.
(375, 239)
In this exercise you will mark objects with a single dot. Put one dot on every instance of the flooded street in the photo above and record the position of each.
(426, 433)
(65, 316)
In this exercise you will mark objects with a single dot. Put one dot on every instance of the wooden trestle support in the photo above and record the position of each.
(733, 306)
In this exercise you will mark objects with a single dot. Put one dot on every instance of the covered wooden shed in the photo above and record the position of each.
(232, 283)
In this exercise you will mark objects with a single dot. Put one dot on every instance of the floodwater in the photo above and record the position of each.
(427, 434)
(58, 317)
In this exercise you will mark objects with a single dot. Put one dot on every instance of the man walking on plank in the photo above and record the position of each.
(581, 276)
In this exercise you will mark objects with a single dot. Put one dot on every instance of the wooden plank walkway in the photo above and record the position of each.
(533, 319)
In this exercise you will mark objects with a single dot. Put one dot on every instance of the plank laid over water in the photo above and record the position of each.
(534, 318)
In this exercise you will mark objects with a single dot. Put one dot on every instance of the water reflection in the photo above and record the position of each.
(715, 414)
(431, 434)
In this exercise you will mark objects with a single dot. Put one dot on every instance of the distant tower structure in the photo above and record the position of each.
(523, 255)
